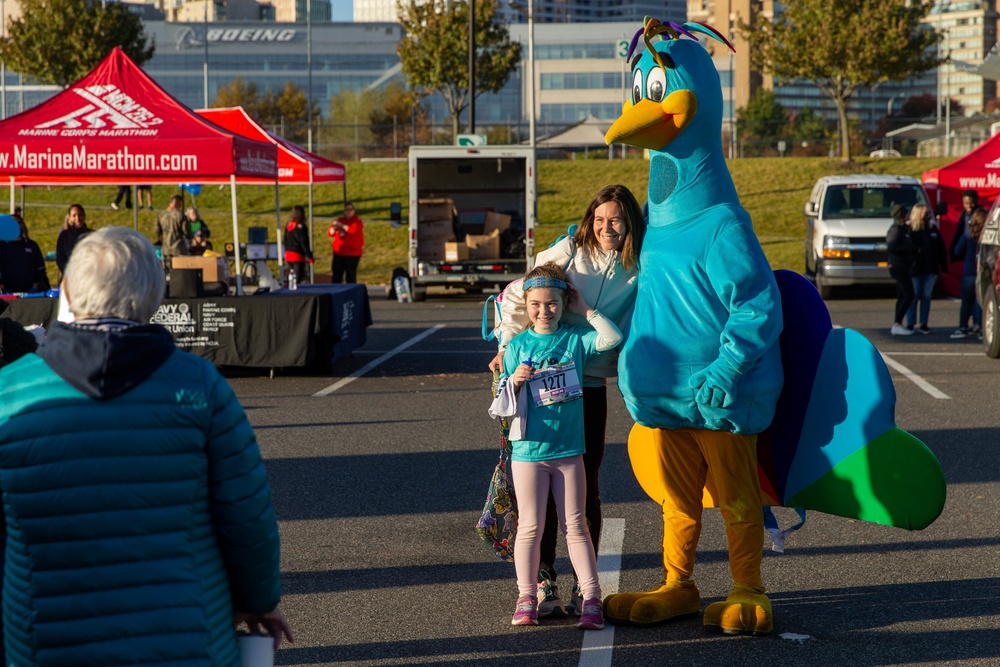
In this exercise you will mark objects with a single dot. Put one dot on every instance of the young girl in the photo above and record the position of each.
(541, 391)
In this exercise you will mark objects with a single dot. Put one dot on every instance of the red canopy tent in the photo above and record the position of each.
(978, 170)
(118, 126)
(296, 166)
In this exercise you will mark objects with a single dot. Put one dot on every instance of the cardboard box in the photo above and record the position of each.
(435, 209)
(431, 250)
(497, 221)
(455, 252)
(483, 246)
(213, 269)
(435, 230)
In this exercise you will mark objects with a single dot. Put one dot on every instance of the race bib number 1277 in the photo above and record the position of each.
(555, 384)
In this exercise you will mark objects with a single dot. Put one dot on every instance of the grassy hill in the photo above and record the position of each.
(772, 190)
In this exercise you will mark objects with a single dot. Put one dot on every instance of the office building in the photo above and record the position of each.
(549, 11)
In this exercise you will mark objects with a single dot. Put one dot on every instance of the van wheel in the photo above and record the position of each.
(419, 293)
(991, 325)
(825, 291)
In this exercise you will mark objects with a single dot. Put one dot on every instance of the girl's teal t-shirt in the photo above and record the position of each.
(552, 431)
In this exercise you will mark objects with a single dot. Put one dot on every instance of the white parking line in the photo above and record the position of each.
(914, 378)
(375, 362)
(598, 645)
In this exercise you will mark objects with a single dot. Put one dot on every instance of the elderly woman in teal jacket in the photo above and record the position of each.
(139, 520)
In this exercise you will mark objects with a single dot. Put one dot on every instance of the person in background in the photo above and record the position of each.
(601, 261)
(348, 240)
(546, 432)
(74, 228)
(200, 243)
(124, 192)
(172, 232)
(931, 259)
(901, 256)
(967, 248)
(22, 264)
(195, 221)
(970, 201)
(148, 191)
(298, 255)
(157, 558)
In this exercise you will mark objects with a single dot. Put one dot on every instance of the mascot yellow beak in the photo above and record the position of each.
(653, 125)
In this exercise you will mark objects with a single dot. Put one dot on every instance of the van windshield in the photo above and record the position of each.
(870, 200)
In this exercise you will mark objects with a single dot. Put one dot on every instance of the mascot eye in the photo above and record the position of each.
(637, 87)
(656, 84)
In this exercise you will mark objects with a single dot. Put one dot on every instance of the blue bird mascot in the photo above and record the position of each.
(701, 369)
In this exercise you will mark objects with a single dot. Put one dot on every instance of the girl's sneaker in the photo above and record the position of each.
(593, 616)
(575, 605)
(526, 613)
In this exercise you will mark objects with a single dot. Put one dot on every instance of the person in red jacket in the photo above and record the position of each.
(348, 240)
(298, 255)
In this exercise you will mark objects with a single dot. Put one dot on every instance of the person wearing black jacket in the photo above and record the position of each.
(970, 200)
(930, 261)
(74, 228)
(22, 265)
(902, 253)
(297, 251)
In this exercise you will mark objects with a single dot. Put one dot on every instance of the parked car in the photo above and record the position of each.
(885, 152)
(847, 218)
(988, 281)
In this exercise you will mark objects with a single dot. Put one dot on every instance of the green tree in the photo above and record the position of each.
(60, 41)
(763, 118)
(842, 44)
(397, 117)
(807, 125)
(289, 109)
(349, 111)
(285, 111)
(434, 53)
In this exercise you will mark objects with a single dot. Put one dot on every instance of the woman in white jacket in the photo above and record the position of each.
(602, 262)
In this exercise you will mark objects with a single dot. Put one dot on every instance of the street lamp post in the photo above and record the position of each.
(309, 80)
(531, 73)
(530, 15)
(206, 54)
(472, 67)
(3, 65)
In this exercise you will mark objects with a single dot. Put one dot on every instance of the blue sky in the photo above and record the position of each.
(343, 10)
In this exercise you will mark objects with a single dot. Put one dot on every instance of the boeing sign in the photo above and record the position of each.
(187, 38)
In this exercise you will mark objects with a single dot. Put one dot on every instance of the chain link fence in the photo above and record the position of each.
(365, 142)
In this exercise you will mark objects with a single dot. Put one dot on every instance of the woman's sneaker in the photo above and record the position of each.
(549, 604)
(592, 617)
(526, 613)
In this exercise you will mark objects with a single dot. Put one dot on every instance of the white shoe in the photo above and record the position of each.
(900, 330)
(114, 206)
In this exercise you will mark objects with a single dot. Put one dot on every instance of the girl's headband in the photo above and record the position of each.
(543, 281)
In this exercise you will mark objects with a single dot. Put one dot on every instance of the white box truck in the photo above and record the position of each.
(472, 216)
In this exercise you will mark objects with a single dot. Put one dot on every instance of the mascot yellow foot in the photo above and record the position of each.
(673, 599)
(744, 612)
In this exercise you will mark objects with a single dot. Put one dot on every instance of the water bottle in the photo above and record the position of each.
(293, 281)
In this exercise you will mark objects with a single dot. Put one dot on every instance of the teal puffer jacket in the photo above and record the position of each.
(135, 524)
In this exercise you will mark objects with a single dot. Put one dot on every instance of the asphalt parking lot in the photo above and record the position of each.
(379, 472)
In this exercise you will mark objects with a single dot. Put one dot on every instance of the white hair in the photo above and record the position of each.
(114, 272)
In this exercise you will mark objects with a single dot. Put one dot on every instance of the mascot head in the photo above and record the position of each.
(675, 110)
(674, 86)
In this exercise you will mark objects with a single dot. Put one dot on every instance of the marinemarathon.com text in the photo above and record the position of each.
(81, 158)
(990, 180)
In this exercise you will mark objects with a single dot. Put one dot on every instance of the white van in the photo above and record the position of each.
(847, 218)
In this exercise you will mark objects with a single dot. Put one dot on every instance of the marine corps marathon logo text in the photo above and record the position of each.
(106, 111)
